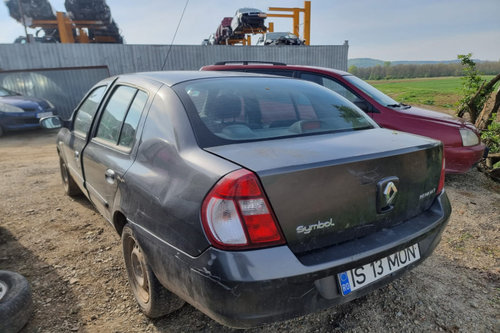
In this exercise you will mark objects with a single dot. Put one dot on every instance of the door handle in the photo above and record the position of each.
(110, 176)
(77, 155)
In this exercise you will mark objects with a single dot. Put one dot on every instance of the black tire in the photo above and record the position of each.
(69, 184)
(1, 131)
(16, 304)
(153, 299)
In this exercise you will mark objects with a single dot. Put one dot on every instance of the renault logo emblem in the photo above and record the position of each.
(387, 193)
(390, 192)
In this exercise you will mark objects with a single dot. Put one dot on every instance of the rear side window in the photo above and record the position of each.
(119, 121)
(114, 113)
(132, 120)
(87, 110)
(330, 84)
(226, 110)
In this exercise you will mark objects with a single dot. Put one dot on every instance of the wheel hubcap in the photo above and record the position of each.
(137, 268)
(138, 273)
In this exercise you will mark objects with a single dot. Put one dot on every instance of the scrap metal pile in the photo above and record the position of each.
(34, 10)
(88, 10)
(245, 20)
(94, 10)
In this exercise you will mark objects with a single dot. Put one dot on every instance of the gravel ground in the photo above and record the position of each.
(72, 259)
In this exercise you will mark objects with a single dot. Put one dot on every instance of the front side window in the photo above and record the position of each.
(371, 91)
(87, 110)
(253, 108)
(330, 84)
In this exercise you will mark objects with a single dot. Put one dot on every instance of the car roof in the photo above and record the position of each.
(260, 65)
(171, 78)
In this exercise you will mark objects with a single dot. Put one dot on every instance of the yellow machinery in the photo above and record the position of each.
(295, 14)
(72, 31)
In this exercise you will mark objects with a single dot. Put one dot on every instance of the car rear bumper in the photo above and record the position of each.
(251, 288)
(462, 159)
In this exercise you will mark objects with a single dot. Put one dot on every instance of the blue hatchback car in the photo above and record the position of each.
(19, 112)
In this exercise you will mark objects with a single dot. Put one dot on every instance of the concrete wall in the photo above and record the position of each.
(137, 58)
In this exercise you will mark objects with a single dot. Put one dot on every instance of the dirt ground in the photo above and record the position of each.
(72, 259)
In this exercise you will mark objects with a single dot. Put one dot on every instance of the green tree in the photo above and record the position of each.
(474, 96)
(353, 70)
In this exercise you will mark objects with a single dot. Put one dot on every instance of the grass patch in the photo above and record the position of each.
(442, 92)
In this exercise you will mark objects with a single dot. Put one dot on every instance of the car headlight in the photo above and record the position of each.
(4, 107)
(469, 138)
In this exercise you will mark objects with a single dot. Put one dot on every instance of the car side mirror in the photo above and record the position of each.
(52, 122)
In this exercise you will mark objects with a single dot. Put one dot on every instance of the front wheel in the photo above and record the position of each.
(153, 299)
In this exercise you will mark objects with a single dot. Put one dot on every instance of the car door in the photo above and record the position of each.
(83, 118)
(340, 89)
(108, 154)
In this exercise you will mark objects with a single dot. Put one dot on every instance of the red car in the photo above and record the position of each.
(223, 31)
(462, 146)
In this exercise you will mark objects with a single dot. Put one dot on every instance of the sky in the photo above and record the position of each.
(389, 30)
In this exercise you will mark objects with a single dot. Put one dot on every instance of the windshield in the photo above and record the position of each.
(253, 108)
(5, 92)
(374, 93)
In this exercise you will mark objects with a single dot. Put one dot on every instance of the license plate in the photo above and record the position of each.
(360, 277)
(43, 114)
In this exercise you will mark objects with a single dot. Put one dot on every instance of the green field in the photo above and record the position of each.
(442, 92)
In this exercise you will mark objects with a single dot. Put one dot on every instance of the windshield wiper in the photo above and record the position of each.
(399, 105)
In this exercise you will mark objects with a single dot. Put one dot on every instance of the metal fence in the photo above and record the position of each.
(137, 58)
(63, 87)
(62, 73)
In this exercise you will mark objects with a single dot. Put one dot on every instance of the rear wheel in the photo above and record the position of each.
(154, 300)
(69, 184)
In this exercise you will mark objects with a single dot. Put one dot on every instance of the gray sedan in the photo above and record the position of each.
(254, 198)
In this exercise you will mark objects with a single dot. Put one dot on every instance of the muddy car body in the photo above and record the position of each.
(253, 198)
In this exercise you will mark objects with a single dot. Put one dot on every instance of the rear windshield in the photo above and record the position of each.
(229, 110)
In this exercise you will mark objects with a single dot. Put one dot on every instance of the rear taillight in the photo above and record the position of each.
(441, 177)
(236, 213)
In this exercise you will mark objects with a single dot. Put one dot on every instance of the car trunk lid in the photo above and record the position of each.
(326, 189)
